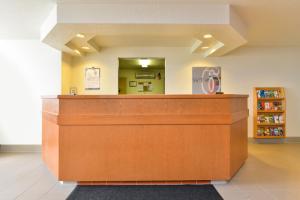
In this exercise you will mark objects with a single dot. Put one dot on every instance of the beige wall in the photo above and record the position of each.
(241, 71)
(107, 61)
(66, 73)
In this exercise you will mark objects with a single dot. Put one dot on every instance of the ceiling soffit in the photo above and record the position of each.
(114, 25)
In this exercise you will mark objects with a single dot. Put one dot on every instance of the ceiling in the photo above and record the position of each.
(269, 22)
(136, 35)
(209, 30)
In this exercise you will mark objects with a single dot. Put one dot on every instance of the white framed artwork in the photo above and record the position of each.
(92, 78)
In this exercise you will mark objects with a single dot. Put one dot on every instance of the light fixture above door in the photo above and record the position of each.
(144, 62)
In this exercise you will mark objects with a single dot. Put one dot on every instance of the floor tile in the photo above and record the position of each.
(271, 172)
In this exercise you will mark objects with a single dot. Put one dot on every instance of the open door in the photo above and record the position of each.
(122, 85)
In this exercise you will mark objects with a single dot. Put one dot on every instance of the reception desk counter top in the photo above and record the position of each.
(144, 139)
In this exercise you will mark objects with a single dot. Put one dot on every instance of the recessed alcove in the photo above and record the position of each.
(141, 76)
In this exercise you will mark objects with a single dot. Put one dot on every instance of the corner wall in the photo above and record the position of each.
(28, 70)
(66, 73)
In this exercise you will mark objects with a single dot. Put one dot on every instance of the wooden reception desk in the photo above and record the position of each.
(144, 139)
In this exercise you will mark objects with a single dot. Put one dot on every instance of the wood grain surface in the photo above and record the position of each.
(163, 138)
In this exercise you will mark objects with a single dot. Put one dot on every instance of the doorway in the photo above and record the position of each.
(122, 85)
(141, 76)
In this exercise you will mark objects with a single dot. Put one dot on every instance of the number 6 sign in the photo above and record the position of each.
(206, 80)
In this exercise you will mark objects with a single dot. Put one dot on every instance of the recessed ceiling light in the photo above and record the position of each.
(204, 47)
(212, 51)
(144, 62)
(80, 35)
(85, 48)
(76, 51)
(207, 36)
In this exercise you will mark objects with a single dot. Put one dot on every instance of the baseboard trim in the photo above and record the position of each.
(288, 140)
(7, 148)
(219, 182)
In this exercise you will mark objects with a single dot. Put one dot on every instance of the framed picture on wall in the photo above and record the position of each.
(132, 83)
(92, 78)
(140, 87)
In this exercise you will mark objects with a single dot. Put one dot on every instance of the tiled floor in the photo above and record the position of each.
(272, 171)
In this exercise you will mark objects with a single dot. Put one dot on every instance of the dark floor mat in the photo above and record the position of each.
(165, 192)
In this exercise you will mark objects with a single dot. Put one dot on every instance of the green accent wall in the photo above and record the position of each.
(158, 85)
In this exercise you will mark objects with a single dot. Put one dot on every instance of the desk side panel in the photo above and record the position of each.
(238, 145)
(50, 135)
(239, 136)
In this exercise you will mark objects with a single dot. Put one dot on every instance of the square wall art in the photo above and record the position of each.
(206, 80)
